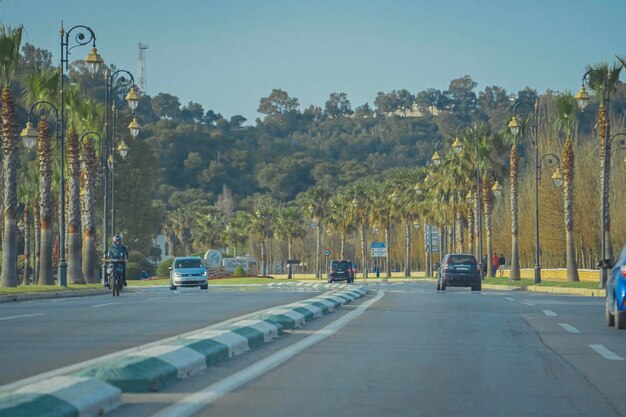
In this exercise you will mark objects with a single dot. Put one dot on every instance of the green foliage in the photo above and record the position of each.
(163, 270)
(133, 271)
(239, 272)
(143, 261)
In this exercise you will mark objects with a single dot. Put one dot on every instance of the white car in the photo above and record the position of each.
(189, 271)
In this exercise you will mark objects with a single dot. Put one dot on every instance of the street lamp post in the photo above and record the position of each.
(457, 146)
(118, 80)
(516, 130)
(83, 36)
(582, 98)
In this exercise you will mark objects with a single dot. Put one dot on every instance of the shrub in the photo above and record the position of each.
(239, 272)
(141, 259)
(163, 270)
(133, 271)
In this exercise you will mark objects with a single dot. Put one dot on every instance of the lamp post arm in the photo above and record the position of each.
(80, 39)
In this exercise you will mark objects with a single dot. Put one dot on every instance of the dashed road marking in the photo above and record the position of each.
(102, 305)
(569, 328)
(526, 303)
(607, 354)
(549, 313)
(509, 298)
(23, 316)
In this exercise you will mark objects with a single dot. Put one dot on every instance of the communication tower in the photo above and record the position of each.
(141, 54)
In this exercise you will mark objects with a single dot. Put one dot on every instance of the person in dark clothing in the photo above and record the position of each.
(117, 251)
(501, 263)
(483, 267)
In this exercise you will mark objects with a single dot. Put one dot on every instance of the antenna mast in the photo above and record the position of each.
(141, 54)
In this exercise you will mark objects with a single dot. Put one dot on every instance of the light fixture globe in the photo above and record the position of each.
(94, 61)
(29, 135)
(582, 98)
(132, 99)
(134, 128)
(557, 178)
(436, 159)
(514, 126)
(123, 149)
(457, 146)
(497, 189)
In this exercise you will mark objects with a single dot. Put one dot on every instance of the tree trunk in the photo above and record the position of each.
(364, 249)
(9, 152)
(567, 157)
(387, 239)
(515, 268)
(488, 210)
(343, 244)
(88, 215)
(318, 257)
(263, 256)
(37, 238)
(27, 225)
(407, 247)
(289, 255)
(74, 246)
(471, 229)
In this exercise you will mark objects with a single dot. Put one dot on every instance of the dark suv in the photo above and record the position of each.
(459, 270)
(341, 270)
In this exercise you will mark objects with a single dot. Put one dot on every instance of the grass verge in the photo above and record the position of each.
(25, 289)
(544, 283)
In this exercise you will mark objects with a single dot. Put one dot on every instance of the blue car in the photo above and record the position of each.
(616, 293)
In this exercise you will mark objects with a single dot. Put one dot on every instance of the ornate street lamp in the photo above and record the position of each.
(516, 129)
(496, 189)
(582, 98)
(83, 36)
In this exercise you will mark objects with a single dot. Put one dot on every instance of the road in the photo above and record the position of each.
(412, 352)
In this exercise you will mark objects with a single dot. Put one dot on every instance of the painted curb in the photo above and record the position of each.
(52, 294)
(61, 396)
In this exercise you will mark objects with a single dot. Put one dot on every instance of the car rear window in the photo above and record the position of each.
(189, 263)
(461, 259)
(336, 265)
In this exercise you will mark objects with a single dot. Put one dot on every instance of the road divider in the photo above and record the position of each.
(97, 389)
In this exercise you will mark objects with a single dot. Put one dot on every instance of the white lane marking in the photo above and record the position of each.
(607, 354)
(526, 304)
(509, 298)
(102, 305)
(58, 300)
(569, 328)
(21, 317)
(193, 403)
(155, 298)
(549, 313)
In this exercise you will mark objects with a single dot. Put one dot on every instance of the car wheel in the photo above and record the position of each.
(609, 317)
(619, 317)
(443, 286)
(438, 286)
(204, 287)
(330, 281)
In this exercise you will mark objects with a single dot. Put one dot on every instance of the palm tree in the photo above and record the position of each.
(566, 108)
(27, 191)
(260, 227)
(88, 219)
(209, 227)
(339, 219)
(10, 41)
(488, 200)
(43, 86)
(316, 199)
(602, 77)
(289, 225)
(237, 231)
(383, 213)
(360, 194)
(182, 222)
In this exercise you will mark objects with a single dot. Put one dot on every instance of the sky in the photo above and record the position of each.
(228, 54)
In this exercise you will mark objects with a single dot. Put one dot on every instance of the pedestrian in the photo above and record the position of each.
(501, 263)
(495, 263)
(144, 275)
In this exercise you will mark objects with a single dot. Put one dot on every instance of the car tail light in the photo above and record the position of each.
(446, 267)
(623, 270)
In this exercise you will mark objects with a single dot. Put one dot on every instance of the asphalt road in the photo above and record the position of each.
(414, 352)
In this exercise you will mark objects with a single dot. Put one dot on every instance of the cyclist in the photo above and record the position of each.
(118, 251)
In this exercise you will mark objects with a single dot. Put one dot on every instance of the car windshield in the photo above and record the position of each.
(336, 265)
(461, 259)
(189, 263)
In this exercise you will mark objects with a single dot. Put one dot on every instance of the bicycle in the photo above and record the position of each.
(115, 269)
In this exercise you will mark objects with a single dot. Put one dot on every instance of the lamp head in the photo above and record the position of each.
(132, 99)
(457, 146)
(582, 98)
(29, 135)
(134, 128)
(497, 189)
(514, 126)
(123, 149)
(557, 178)
(94, 60)
(436, 159)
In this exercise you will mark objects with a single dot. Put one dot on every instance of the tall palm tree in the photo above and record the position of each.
(260, 227)
(88, 219)
(566, 108)
(360, 194)
(339, 219)
(10, 41)
(488, 200)
(182, 222)
(603, 77)
(289, 225)
(237, 231)
(43, 86)
(514, 175)
(315, 200)
(26, 192)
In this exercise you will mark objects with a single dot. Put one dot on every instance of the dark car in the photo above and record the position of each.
(616, 291)
(341, 270)
(459, 270)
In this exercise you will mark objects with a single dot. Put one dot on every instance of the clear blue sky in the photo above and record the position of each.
(227, 54)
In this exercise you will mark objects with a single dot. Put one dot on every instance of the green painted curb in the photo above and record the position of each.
(255, 337)
(308, 314)
(345, 297)
(275, 323)
(214, 352)
(332, 300)
(35, 405)
(285, 321)
(134, 374)
(325, 309)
